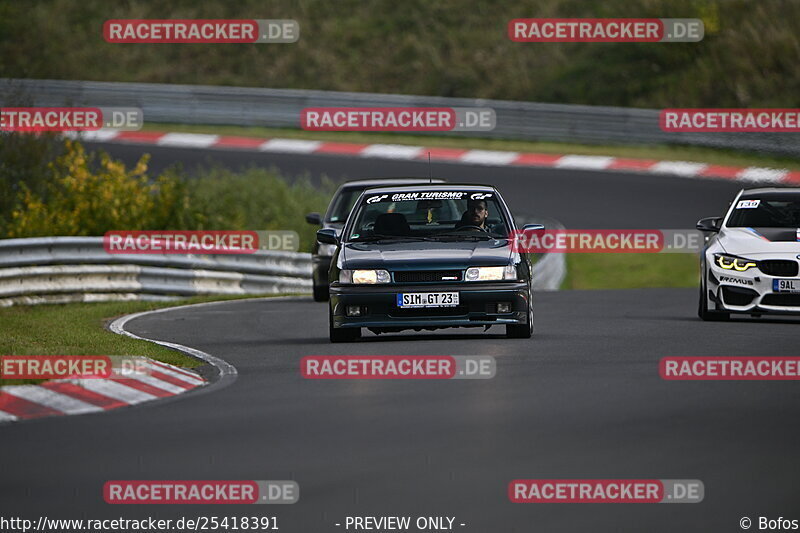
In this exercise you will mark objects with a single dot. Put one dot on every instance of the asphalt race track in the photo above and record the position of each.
(581, 399)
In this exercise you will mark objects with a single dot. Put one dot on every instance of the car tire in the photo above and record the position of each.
(522, 331)
(702, 307)
(341, 334)
(321, 293)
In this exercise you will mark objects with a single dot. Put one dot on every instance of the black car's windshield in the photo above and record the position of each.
(770, 212)
(342, 204)
(429, 215)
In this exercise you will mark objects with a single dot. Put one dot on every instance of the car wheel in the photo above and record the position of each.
(702, 307)
(341, 334)
(522, 331)
(321, 293)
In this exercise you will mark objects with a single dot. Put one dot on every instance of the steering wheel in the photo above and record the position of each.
(470, 226)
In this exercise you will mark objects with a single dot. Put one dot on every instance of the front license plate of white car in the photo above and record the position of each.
(785, 285)
(410, 300)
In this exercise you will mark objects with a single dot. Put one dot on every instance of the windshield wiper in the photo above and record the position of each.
(381, 237)
(472, 235)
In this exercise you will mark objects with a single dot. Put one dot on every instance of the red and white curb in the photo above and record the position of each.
(686, 169)
(81, 396)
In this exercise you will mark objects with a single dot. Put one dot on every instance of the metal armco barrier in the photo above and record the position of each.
(68, 269)
(549, 270)
(280, 108)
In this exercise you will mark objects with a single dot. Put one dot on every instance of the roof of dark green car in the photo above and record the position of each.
(431, 187)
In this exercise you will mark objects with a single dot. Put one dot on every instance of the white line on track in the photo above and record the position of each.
(227, 372)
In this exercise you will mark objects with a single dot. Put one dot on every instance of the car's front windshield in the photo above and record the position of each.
(429, 215)
(781, 211)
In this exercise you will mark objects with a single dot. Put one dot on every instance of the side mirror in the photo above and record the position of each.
(710, 224)
(532, 227)
(327, 236)
(314, 218)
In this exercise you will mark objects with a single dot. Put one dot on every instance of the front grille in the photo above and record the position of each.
(459, 310)
(782, 300)
(778, 267)
(737, 296)
(426, 276)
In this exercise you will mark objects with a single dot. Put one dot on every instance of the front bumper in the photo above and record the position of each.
(477, 306)
(749, 292)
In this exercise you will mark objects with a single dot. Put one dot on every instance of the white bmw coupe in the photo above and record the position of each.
(752, 255)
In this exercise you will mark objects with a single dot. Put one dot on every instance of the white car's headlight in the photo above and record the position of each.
(731, 262)
(491, 273)
(364, 277)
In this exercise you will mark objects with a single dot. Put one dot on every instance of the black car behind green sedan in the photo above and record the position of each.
(338, 209)
(425, 257)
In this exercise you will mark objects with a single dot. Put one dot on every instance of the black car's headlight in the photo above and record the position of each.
(364, 277)
(731, 262)
(491, 273)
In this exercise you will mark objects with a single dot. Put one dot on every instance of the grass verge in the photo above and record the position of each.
(79, 329)
(666, 152)
(631, 271)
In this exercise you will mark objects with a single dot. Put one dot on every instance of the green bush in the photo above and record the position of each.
(80, 193)
(89, 194)
(255, 199)
(24, 162)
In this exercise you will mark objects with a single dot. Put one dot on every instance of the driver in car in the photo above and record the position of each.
(475, 216)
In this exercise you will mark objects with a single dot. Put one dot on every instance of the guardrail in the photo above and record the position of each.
(549, 270)
(69, 269)
(78, 269)
(244, 106)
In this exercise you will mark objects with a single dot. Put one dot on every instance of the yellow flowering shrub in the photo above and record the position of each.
(86, 193)
(89, 195)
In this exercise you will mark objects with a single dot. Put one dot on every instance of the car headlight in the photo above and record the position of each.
(491, 273)
(731, 262)
(364, 277)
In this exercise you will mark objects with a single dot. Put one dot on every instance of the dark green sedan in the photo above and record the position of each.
(426, 257)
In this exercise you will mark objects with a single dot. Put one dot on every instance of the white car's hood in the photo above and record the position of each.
(758, 242)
